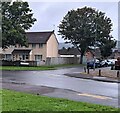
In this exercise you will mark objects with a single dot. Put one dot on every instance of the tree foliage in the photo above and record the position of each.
(0, 27)
(16, 18)
(87, 27)
(106, 48)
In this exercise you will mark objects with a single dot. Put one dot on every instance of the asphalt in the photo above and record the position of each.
(97, 78)
(63, 93)
(58, 93)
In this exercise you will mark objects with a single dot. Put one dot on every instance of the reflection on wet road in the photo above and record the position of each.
(56, 78)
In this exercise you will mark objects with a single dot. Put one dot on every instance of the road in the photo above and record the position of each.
(81, 89)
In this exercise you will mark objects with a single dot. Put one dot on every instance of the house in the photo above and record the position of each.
(69, 52)
(93, 53)
(65, 45)
(116, 51)
(41, 45)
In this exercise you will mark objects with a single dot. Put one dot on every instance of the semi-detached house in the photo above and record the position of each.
(40, 46)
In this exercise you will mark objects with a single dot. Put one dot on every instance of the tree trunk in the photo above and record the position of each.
(81, 58)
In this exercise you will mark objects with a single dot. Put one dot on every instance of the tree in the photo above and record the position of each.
(16, 18)
(0, 27)
(106, 48)
(86, 27)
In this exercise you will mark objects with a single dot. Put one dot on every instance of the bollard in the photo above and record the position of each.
(87, 70)
(112, 67)
(118, 74)
(99, 72)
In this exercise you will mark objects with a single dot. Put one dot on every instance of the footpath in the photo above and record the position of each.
(99, 74)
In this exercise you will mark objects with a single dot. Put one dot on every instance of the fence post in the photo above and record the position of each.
(112, 67)
(118, 74)
(99, 72)
(85, 69)
(88, 71)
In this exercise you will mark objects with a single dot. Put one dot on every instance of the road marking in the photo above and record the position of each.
(55, 75)
(94, 96)
(80, 72)
(83, 73)
(76, 72)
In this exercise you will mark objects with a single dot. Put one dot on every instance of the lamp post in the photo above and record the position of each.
(95, 42)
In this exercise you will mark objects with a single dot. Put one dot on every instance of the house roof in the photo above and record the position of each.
(117, 51)
(69, 51)
(21, 50)
(65, 45)
(96, 52)
(8, 51)
(38, 37)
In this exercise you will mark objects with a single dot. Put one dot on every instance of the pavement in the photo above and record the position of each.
(107, 75)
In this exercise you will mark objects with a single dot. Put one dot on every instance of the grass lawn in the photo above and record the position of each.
(20, 68)
(16, 101)
(52, 67)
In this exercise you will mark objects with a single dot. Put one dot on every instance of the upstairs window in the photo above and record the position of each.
(40, 45)
(33, 45)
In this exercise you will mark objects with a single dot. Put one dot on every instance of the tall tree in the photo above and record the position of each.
(0, 27)
(106, 48)
(86, 27)
(16, 18)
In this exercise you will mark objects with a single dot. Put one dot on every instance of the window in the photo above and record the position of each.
(38, 57)
(20, 57)
(23, 57)
(40, 45)
(19, 46)
(8, 56)
(27, 57)
(13, 57)
(33, 45)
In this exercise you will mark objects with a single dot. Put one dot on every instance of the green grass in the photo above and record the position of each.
(52, 67)
(69, 65)
(19, 68)
(16, 101)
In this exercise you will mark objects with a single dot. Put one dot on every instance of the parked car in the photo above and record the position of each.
(92, 63)
(108, 62)
(24, 64)
(112, 61)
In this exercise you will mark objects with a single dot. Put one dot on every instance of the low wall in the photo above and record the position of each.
(49, 61)
(17, 63)
(62, 60)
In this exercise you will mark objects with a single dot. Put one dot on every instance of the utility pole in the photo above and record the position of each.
(54, 27)
(95, 42)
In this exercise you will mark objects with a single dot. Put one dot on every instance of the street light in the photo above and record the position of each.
(95, 43)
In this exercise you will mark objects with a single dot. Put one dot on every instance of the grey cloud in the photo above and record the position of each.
(49, 14)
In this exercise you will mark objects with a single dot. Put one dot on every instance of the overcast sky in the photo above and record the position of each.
(49, 14)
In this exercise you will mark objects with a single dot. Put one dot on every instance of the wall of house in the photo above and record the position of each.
(48, 50)
(37, 51)
(117, 54)
(66, 56)
(6, 52)
(89, 56)
(52, 46)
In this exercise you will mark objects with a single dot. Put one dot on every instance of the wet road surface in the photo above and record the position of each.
(87, 90)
